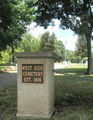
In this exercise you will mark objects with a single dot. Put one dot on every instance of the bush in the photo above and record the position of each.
(7, 55)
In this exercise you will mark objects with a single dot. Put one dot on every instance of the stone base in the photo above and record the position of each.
(30, 116)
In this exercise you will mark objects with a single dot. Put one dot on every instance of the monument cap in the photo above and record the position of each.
(35, 54)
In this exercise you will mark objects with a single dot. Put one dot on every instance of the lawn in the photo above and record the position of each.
(77, 69)
(73, 97)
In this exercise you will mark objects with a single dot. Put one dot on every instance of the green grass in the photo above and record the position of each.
(73, 98)
(75, 69)
(8, 102)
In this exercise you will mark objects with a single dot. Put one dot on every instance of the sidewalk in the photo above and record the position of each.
(7, 79)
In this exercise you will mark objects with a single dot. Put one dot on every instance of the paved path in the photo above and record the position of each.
(7, 79)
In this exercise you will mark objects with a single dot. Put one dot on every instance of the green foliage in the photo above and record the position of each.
(81, 47)
(7, 55)
(47, 42)
(92, 51)
(29, 43)
(5, 21)
(70, 56)
(73, 14)
(0, 59)
(14, 17)
(59, 50)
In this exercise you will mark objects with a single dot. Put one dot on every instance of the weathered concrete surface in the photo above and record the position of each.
(35, 100)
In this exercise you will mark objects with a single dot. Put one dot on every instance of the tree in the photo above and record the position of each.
(59, 50)
(92, 51)
(81, 47)
(14, 17)
(6, 54)
(47, 42)
(19, 16)
(29, 43)
(76, 15)
(5, 21)
(70, 56)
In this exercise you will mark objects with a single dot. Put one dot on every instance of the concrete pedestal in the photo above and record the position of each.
(35, 85)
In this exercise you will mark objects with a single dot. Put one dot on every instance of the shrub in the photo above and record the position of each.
(7, 55)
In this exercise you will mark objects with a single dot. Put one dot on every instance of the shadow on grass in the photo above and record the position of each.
(8, 102)
(72, 91)
(73, 99)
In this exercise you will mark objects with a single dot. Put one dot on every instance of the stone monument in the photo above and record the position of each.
(35, 84)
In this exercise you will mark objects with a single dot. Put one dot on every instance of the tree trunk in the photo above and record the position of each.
(89, 69)
(13, 53)
(88, 37)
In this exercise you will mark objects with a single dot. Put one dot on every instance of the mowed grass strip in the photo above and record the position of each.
(77, 69)
(73, 99)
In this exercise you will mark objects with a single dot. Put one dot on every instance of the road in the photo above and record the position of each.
(7, 79)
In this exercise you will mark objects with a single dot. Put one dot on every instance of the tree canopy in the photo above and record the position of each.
(76, 15)
(14, 17)
(29, 43)
(81, 47)
(47, 42)
(59, 50)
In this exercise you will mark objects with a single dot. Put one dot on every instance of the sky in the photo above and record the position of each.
(66, 36)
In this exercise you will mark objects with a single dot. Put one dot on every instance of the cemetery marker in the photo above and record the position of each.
(35, 84)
